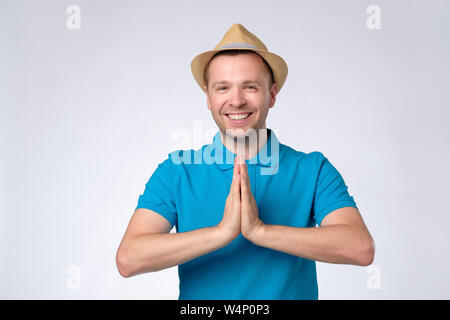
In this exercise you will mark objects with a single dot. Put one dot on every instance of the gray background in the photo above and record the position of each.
(87, 115)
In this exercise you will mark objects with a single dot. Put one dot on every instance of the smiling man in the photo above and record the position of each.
(246, 228)
(240, 89)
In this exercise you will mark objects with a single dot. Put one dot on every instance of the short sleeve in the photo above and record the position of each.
(331, 191)
(158, 194)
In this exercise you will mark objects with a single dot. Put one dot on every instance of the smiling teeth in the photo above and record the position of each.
(238, 116)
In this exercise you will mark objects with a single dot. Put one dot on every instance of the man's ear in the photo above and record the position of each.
(273, 94)
(207, 97)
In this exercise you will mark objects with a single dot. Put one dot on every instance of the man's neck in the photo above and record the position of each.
(248, 146)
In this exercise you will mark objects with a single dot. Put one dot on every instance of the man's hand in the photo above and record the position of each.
(231, 221)
(341, 238)
(250, 222)
(241, 212)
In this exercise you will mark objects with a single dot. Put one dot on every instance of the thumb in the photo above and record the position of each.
(236, 184)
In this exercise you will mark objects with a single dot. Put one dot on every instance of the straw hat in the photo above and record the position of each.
(238, 37)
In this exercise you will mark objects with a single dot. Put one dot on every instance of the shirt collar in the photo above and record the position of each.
(262, 158)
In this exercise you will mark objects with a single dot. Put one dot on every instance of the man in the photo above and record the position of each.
(242, 232)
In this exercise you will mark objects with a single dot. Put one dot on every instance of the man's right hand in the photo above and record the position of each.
(231, 221)
(147, 245)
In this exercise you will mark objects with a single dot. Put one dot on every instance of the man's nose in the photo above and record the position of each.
(236, 98)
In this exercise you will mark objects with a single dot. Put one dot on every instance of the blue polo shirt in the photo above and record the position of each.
(291, 188)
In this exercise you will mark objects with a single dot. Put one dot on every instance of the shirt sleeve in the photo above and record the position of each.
(331, 191)
(158, 194)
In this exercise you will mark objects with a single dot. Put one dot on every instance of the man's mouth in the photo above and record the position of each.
(238, 116)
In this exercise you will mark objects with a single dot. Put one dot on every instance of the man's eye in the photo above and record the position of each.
(220, 88)
(251, 87)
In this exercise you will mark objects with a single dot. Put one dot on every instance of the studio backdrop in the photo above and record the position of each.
(94, 95)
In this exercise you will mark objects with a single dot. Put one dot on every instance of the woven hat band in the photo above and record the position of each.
(237, 45)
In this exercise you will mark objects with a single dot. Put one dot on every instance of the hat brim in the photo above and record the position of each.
(276, 63)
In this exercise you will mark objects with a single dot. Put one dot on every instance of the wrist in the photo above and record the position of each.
(257, 232)
(224, 234)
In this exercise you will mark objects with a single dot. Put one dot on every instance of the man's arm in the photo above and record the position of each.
(148, 246)
(341, 238)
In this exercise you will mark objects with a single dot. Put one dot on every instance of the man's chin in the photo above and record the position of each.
(239, 132)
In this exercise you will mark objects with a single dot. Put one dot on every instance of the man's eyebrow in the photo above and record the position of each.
(245, 82)
(220, 82)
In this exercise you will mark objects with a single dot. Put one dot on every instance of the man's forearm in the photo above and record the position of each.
(153, 252)
(343, 244)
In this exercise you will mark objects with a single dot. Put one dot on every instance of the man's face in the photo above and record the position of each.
(238, 93)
